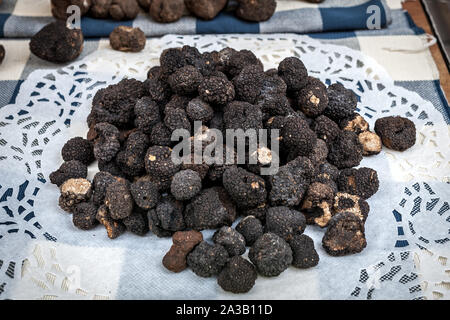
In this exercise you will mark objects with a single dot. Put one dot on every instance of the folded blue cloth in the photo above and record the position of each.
(295, 16)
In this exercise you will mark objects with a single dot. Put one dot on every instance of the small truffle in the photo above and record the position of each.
(345, 235)
(248, 83)
(293, 72)
(238, 275)
(127, 39)
(145, 194)
(298, 136)
(167, 217)
(205, 9)
(167, 10)
(57, 43)
(137, 223)
(318, 203)
(362, 182)
(207, 260)
(107, 144)
(256, 10)
(216, 90)
(313, 98)
(285, 222)
(100, 9)
(147, 114)
(271, 255)
(177, 119)
(73, 192)
(68, 170)
(198, 110)
(102, 180)
(84, 216)
(231, 240)
(78, 149)
(183, 243)
(185, 80)
(397, 133)
(326, 129)
(303, 252)
(371, 143)
(242, 115)
(119, 201)
(114, 228)
(186, 184)
(251, 228)
(158, 162)
(345, 151)
(348, 203)
(341, 102)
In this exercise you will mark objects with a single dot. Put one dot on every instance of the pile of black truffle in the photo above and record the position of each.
(139, 188)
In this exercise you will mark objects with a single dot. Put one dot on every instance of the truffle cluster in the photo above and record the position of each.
(140, 188)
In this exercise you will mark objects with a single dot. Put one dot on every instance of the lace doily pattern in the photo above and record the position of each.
(52, 106)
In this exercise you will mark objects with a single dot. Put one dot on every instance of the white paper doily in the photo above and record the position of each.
(52, 106)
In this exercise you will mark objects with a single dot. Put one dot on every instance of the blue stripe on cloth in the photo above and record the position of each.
(101, 28)
(431, 91)
(226, 22)
(351, 18)
(3, 18)
(332, 35)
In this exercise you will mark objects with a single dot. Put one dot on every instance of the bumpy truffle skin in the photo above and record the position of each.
(177, 119)
(211, 208)
(199, 110)
(127, 39)
(167, 217)
(73, 192)
(248, 190)
(256, 10)
(207, 260)
(114, 228)
(161, 135)
(293, 72)
(345, 235)
(108, 144)
(298, 136)
(183, 243)
(136, 223)
(238, 276)
(158, 90)
(158, 162)
(355, 123)
(100, 8)
(326, 129)
(78, 149)
(362, 182)
(285, 222)
(216, 90)
(371, 143)
(185, 80)
(313, 99)
(166, 10)
(231, 240)
(242, 115)
(317, 204)
(248, 83)
(119, 201)
(68, 170)
(145, 194)
(341, 102)
(84, 216)
(251, 228)
(205, 9)
(348, 203)
(185, 184)
(319, 154)
(102, 180)
(345, 151)
(271, 255)
(274, 105)
(57, 43)
(131, 158)
(397, 133)
(124, 9)
(303, 252)
(147, 114)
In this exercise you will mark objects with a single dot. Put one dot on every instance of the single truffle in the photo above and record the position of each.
(212, 208)
(216, 90)
(326, 129)
(313, 98)
(242, 115)
(248, 83)
(183, 243)
(158, 162)
(107, 144)
(293, 72)
(362, 182)
(114, 228)
(271, 255)
(177, 119)
(232, 61)
(131, 158)
(251, 228)
(205, 9)
(341, 102)
(303, 252)
(345, 151)
(167, 217)
(158, 90)
(57, 43)
(73, 192)
(298, 136)
(127, 39)
(161, 135)
(318, 203)
(245, 188)
(256, 10)
(78, 149)
(185, 80)
(397, 133)
(345, 235)
(207, 260)
(100, 183)
(186, 184)
(119, 201)
(238, 275)
(68, 170)
(145, 193)
(198, 110)
(285, 222)
(371, 143)
(124, 9)
(84, 216)
(137, 223)
(167, 10)
(231, 240)
(319, 154)
(146, 114)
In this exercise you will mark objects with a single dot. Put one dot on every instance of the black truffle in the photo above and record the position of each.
(198, 110)
(167, 217)
(216, 90)
(251, 228)
(207, 260)
(242, 115)
(158, 162)
(186, 184)
(298, 136)
(345, 151)
(68, 170)
(137, 223)
(248, 83)
(114, 228)
(397, 133)
(118, 199)
(231, 240)
(293, 72)
(127, 39)
(238, 275)
(362, 182)
(147, 114)
(285, 222)
(107, 144)
(185, 80)
(145, 193)
(78, 149)
(303, 252)
(84, 216)
(313, 98)
(341, 102)
(256, 10)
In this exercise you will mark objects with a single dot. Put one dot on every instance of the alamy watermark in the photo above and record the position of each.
(74, 17)
(374, 20)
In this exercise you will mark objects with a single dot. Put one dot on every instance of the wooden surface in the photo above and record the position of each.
(416, 10)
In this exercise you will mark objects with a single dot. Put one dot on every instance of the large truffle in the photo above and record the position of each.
(345, 151)
(238, 275)
(397, 133)
(68, 170)
(285, 222)
(293, 72)
(167, 10)
(362, 182)
(303, 252)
